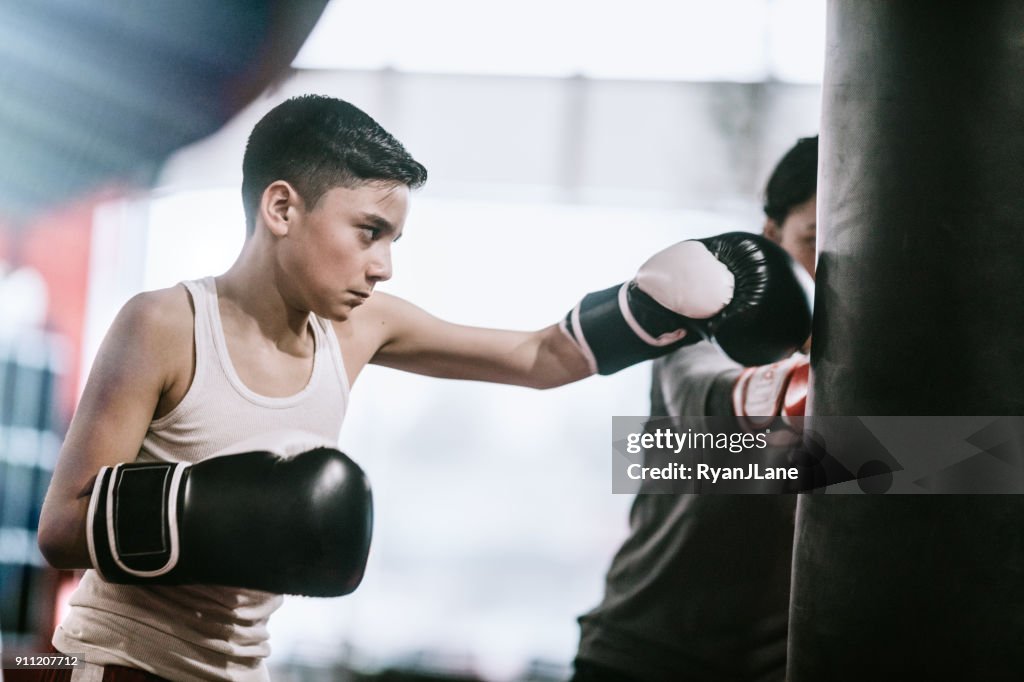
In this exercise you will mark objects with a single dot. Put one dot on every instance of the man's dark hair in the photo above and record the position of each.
(317, 143)
(794, 180)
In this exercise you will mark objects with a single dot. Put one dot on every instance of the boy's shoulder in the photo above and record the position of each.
(369, 327)
(149, 344)
(379, 310)
(161, 314)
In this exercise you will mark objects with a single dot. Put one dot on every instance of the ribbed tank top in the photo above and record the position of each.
(205, 632)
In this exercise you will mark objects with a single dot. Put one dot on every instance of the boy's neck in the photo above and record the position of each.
(249, 290)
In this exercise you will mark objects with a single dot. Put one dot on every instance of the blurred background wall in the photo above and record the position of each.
(566, 141)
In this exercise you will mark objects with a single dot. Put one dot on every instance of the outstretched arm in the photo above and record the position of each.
(416, 341)
(732, 287)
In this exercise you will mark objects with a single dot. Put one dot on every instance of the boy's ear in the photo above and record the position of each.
(772, 230)
(278, 207)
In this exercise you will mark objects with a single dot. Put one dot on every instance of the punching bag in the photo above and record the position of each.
(920, 311)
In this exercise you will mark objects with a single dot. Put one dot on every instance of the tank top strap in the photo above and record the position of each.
(204, 298)
(327, 344)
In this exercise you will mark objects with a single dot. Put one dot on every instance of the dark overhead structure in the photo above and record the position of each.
(97, 90)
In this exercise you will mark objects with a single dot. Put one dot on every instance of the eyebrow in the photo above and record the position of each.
(379, 222)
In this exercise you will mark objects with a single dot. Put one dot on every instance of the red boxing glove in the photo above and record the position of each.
(761, 394)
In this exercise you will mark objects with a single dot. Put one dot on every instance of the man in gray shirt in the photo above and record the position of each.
(700, 588)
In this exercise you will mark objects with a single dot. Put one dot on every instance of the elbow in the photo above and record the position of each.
(51, 547)
(57, 546)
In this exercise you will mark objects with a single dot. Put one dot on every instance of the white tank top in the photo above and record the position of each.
(204, 632)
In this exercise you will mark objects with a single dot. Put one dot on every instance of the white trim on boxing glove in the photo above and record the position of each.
(621, 326)
(107, 481)
(641, 333)
(90, 518)
(578, 339)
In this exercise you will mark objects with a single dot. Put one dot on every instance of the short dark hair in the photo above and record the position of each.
(794, 180)
(317, 143)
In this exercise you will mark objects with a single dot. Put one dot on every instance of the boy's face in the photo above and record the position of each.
(337, 252)
(798, 233)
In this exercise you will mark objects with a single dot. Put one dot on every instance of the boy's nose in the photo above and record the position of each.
(379, 269)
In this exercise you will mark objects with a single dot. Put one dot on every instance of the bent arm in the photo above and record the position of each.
(694, 381)
(116, 408)
(416, 341)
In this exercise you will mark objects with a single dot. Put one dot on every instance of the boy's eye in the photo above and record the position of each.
(370, 232)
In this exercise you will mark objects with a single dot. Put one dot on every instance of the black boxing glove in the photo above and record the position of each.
(289, 525)
(739, 287)
(769, 316)
(666, 305)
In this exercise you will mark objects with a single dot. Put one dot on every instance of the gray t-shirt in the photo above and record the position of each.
(700, 588)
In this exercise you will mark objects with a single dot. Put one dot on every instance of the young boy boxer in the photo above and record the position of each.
(197, 479)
